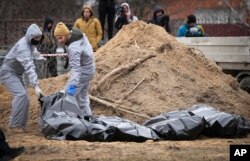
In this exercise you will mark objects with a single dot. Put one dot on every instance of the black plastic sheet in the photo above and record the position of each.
(62, 119)
(220, 124)
(177, 125)
(67, 126)
(58, 102)
(118, 129)
(198, 120)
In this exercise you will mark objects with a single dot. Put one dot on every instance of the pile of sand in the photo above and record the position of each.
(176, 77)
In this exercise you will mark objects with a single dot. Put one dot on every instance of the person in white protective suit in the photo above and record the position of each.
(81, 61)
(17, 62)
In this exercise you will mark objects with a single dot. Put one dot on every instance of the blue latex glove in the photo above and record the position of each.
(71, 90)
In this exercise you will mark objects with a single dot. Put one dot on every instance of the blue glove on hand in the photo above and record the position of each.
(71, 90)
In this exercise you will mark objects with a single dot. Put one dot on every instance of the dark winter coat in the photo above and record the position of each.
(160, 20)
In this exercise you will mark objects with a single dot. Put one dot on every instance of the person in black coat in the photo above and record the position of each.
(125, 17)
(160, 18)
(48, 46)
(6, 152)
(106, 8)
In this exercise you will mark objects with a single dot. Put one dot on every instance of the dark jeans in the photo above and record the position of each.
(107, 9)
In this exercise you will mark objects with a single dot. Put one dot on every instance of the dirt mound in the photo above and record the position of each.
(145, 70)
(175, 77)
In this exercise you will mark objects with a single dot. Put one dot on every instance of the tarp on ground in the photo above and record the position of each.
(220, 124)
(56, 103)
(198, 120)
(61, 119)
(118, 129)
(177, 125)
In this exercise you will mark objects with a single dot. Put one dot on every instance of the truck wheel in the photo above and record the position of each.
(245, 84)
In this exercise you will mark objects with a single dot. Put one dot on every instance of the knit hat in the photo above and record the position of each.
(61, 30)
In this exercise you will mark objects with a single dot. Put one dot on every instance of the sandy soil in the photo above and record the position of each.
(175, 78)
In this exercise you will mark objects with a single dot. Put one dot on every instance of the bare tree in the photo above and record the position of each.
(35, 9)
(236, 14)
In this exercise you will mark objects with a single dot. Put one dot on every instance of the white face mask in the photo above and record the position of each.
(193, 29)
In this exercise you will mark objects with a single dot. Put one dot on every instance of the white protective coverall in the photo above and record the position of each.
(17, 62)
(82, 64)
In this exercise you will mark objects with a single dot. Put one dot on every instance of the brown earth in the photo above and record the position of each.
(176, 77)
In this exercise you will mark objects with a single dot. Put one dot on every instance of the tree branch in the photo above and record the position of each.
(122, 68)
(114, 106)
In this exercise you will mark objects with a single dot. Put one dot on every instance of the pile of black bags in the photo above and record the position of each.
(62, 119)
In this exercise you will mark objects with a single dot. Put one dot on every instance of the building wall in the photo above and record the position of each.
(217, 18)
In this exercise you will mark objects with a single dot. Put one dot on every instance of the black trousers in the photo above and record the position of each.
(106, 8)
(4, 147)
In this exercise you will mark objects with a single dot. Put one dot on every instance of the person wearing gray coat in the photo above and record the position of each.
(82, 64)
(17, 62)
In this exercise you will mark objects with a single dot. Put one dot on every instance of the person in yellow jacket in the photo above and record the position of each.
(90, 26)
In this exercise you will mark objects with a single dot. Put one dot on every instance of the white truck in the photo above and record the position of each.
(232, 54)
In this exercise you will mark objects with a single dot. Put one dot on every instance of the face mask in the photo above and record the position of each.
(34, 42)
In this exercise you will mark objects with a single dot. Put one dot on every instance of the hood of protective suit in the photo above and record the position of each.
(32, 32)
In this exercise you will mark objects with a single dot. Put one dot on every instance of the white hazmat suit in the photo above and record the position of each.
(17, 62)
(81, 61)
